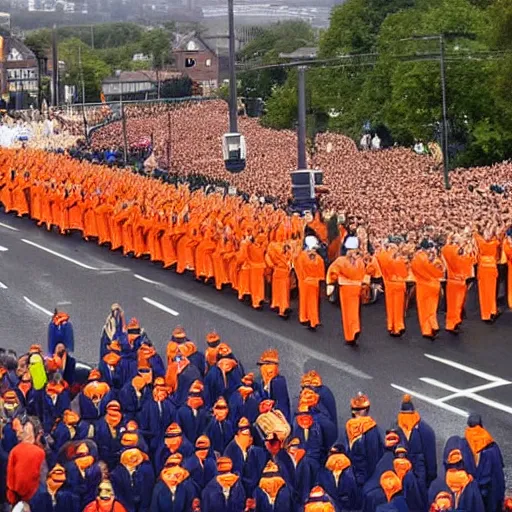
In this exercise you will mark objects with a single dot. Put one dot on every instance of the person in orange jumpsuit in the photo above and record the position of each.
(220, 267)
(243, 278)
(90, 203)
(349, 272)
(204, 254)
(6, 191)
(487, 274)
(395, 269)
(20, 194)
(104, 213)
(256, 257)
(310, 270)
(428, 270)
(459, 262)
(279, 258)
(507, 249)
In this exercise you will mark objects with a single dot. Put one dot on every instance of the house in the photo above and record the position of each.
(195, 58)
(136, 84)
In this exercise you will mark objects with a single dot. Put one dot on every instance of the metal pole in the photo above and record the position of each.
(83, 91)
(123, 120)
(92, 37)
(444, 143)
(169, 140)
(233, 121)
(55, 70)
(301, 128)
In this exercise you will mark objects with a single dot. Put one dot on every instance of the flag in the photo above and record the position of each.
(102, 97)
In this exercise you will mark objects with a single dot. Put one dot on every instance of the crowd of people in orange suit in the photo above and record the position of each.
(247, 245)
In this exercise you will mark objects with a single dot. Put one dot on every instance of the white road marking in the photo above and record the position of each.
(233, 317)
(160, 306)
(2, 286)
(3, 249)
(463, 392)
(8, 227)
(464, 368)
(433, 401)
(37, 306)
(67, 258)
(472, 396)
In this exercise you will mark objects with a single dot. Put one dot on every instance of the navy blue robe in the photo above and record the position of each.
(238, 408)
(157, 365)
(60, 334)
(113, 377)
(105, 340)
(213, 499)
(61, 435)
(162, 453)
(214, 384)
(327, 426)
(397, 504)
(470, 500)
(278, 391)
(162, 499)
(414, 493)
(85, 488)
(131, 405)
(193, 425)
(53, 411)
(249, 469)
(134, 491)
(201, 474)
(65, 501)
(28, 401)
(197, 359)
(365, 453)
(108, 446)
(185, 380)
(89, 412)
(154, 421)
(345, 494)
(9, 437)
(129, 359)
(282, 503)
(220, 434)
(328, 401)
(68, 372)
(315, 446)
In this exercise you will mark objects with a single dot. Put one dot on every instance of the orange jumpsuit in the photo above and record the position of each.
(167, 244)
(35, 201)
(106, 230)
(74, 207)
(310, 270)
(219, 263)
(428, 277)
(280, 261)
(507, 247)
(256, 257)
(19, 196)
(243, 278)
(459, 268)
(89, 216)
(349, 275)
(487, 275)
(394, 274)
(204, 253)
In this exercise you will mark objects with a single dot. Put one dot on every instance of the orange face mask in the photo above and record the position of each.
(457, 479)
(337, 462)
(113, 417)
(195, 402)
(245, 391)
(309, 398)
(227, 365)
(227, 480)
(132, 458)
(56, 479)
(138, 383)
(271, 485)
(70, 418)
(112, 359)
(402, 467)
(173, 443)
(220, 413)
(305, 421)
(442, 502)
(202, 454)
(174, 476)
(84, 462)
(159, 394)
(244, 439)
(390, 484)
(268, 372)
(55, 388)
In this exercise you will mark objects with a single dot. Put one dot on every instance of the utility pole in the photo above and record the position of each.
(444, 140)
(92, 37)
(55, 70)
(169, 139)
(83, 90)
(301, 127)
(233, 107)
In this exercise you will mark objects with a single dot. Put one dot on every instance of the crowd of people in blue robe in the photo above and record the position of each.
(194, 432)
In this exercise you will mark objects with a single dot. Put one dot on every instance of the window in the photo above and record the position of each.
(192, 46)
(208, 62)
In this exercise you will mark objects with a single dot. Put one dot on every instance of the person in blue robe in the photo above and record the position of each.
(272, 493)
(133, 480)
(70, 428)
(111, 368)
(248, 460)
(189, 349)
(489, 463)
(174, 442)
(68, 363)
(187, 375)
(150, 356)
(220, 430)
(420, 439)
(27, 395)
(175, 491)
(193, 416)
(52, 494)
(158, 412)
(317, 500)
(414, 491)
(363, 440)
(129, 359)
(132, 397)
(83, 476)
(202, 465)
(273, 386)
(11, 408)
(113, 328)
(94, 397)
(60, 330)
(309, 432)
(225, 491)
(56, 399)
(107, 434)
(457, 481)
(244, 402)
(338, 480)
(393, 499)
(313, 381)
(224, 378)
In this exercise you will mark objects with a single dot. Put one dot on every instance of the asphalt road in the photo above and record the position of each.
(448, 378)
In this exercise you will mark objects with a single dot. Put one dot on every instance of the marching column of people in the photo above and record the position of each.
(204, 435)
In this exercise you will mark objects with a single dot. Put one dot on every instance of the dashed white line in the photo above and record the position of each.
(432, 401)
(3, 249)
(160, 306)
(8, 227)
(145, 279)
(37, 306)
(464, 368)
(62, 256)
(2, 286)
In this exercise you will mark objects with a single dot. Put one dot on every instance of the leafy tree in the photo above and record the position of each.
(156, 42)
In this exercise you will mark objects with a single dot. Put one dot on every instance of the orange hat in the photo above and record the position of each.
(133, 324)
(294, 442)
(82, 450)
(130, 439)
(132, 426)
(179, 333)
(212, 338)
(360, 402)
(174, 460)
(114, 405)
(220, 403)
(305, 381)
(196, 387)
(454, 457)
(159, 382)
(316, 380)
(35, 348)
(223, 350)
(507, 504)
(317, 492)
(224, 464)
(248, 379)
(115, 346)
(400, 450)
(244, 424)
(94, 374)
(173, 430)
(270, 356)
(271, 467)
(203, 443)
(10, 397)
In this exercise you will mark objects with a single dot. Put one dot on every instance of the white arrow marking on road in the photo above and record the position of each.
(37, 306)
(3, 249)
(2, 286)
(432, 401)
(67, 258)
(8, 227)
(160, 306)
